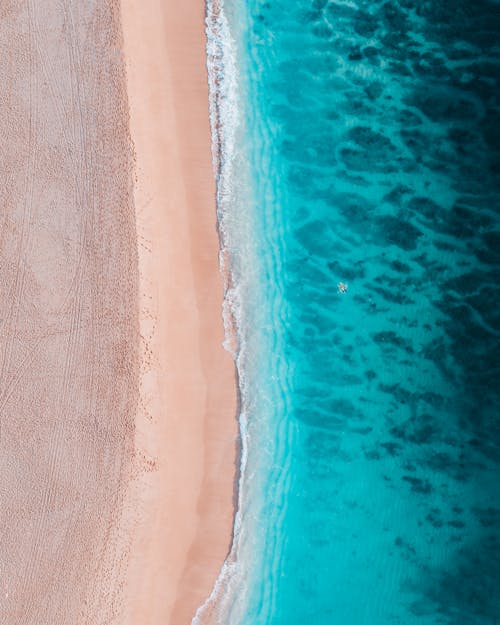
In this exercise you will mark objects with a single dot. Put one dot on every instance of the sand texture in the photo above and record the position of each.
(117, 400)
(187, 428)
(69, 344)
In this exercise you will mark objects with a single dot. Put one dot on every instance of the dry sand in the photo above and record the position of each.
(187, 430)
(69, 333)
(117, 401)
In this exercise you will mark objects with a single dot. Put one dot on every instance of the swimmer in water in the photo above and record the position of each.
(342, 287)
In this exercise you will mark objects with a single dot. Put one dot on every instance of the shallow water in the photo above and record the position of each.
(371, 135)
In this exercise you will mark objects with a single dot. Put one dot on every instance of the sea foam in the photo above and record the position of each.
(225, 122)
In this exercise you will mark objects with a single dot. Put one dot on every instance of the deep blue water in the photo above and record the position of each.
(370, 140)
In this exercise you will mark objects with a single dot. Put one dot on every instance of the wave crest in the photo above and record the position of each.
(225, 120)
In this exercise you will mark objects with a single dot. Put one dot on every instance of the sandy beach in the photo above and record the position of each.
(69, 332)
(186, 432)
(117, 399)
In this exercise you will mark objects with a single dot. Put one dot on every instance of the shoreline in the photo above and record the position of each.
(187, 430)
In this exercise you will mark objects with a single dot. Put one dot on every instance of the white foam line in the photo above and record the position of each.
(225, 120)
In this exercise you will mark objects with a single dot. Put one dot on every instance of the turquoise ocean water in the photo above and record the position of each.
(358, 142)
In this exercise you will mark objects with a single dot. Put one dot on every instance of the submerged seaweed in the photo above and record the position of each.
(372, 133)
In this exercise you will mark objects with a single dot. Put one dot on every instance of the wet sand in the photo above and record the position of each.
(117, 401)
(187, 429)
